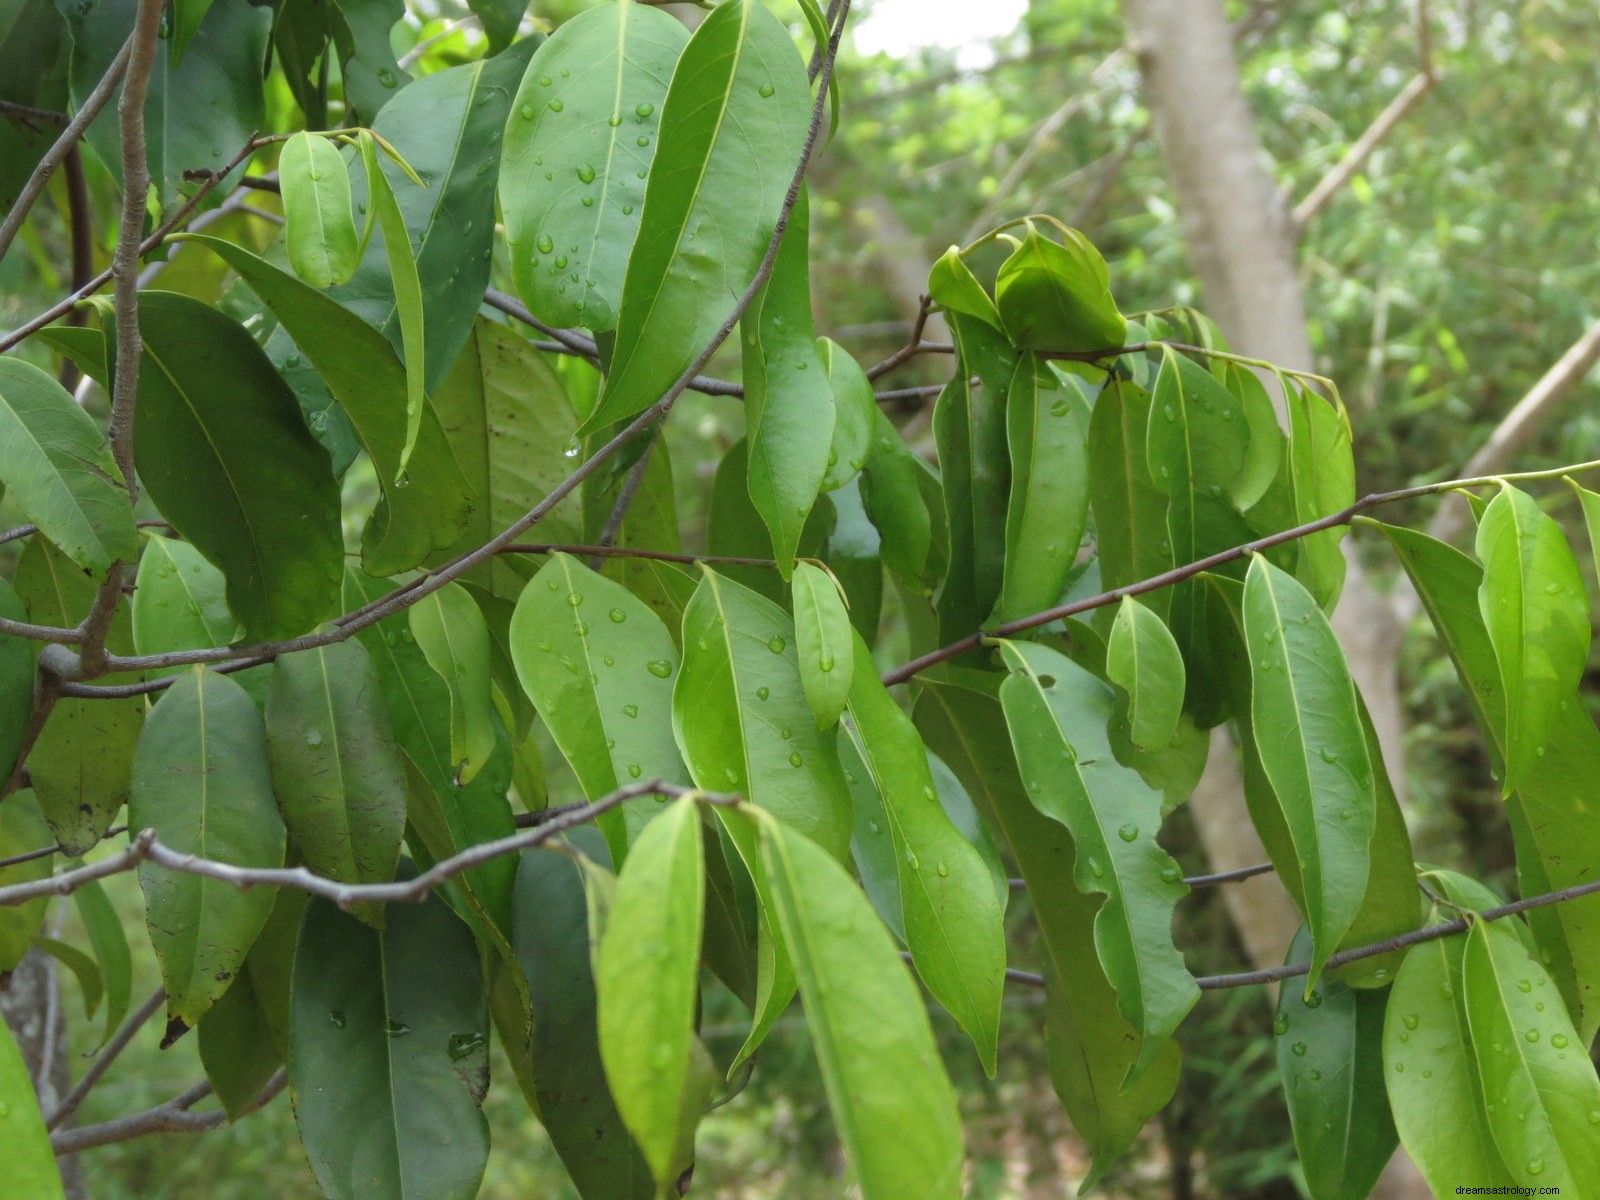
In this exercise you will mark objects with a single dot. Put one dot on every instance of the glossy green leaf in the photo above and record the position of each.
(368, 380)
(16, 682)
(1321, 477)
(1264, 455)
(891, 1099)
(109, 941)
(201, 780)
(740, 715)
(893, 498)
(735, 115)
(953, 286)
(1531, 1064)
(855, 411)
(187, 15)
(56, 465)
(823, 643)
(336, 768)
(1589, 502)
(1130, 512)
(30, 1163)
(1430, 1066)
(224, 451)
(180, 602)
(360, 31)
(788, 398)
(319, 224)
(1330, 1054)
(646, 976)
(388, 1053)
(22, 829)
(1536, 612)
(1309, 732)
(1057, 295)
(83, 759)
(598, 666)
(1057, 714)
(952, 916)
(579, 144)
(453, 638)
(1143, 660)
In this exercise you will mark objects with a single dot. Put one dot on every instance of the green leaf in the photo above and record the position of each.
(336, 768)
(22, 829)
(360, 30)
(1330, 1054)
(1264, 455)
(453, 638)
(224, 452)
(892, 496)
(1531, 1064)
(734, 118)
(855, 411)
(186, 18)
(30, 1162)
(1047, 423)
(319, 225)
(500, 19)
(952, 916)
(56, 465)
(109, 941)
(365, 376)
(388, 1053)
(598, 666)
(1058, 715)
(236, 1047)
(202, 782)
(579, 144)
(823, 643)
(83, 759)
(953, 286)
(1431, 1068)
(1130, 513)
(646, 977)
(1143, 660)
(1590, 503)
(1537, 615)
(16, 682)
(788, 398)
(559, 1070)
(83, 967)
(891, 1099)
(1055, 296)
(740, 715)
(1318, 478)
(180, 603)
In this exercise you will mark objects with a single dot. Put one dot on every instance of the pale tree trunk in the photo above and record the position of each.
(1240, 241)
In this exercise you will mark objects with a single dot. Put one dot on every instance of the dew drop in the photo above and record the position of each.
(387, 77)
(544, 244)
(1410, 1020)
(1298, 1049)
(775, 643)
(1313, 1000)
(1558, 1040)
(630, 710)
(395, 1029)
(615, 121)
(574, 598)
(527, 111)
(659, 667)
(463, 1045)
(561, 262)
(336, 1018)
(1536, 1166)
(825, 661)
(794, 758)
(556, 106)
(763, 692)
(1280, 1024)
(1524, 985)
(767, 90)
(1171, 874)
(587, 202)
(642, 142)
(634, 770)
(1096, 868)
(313, 737)
(586, 173)
(1532, 1035)
(1128, 832)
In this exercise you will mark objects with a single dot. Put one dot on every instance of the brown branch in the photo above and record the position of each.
(108, 1055)
(172, 1117)
(914, 344)
(1193, 881)
(1331, 183)
(47, 851)
(625, 499)
(80, 223)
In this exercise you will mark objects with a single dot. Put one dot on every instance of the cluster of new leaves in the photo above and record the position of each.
(1131, 537)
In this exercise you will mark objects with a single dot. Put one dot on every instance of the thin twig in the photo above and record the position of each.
(1342, 172)
(172, 1117)
(108, 1055)
(625, 499)
(914, 344)
(1194, 881)
(47, 851)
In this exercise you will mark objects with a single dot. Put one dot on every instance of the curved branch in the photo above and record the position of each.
(172, 1117)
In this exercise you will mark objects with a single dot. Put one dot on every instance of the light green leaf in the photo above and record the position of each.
(855, 411)
(202, 782)
(336, 768)
(319, 225)
(579, 144)
(823, 643)
(180, 602)
(109, 942)
(362, 371)
(22, 829)
(30, 1163)
(1055, 296)
(893, 498)
(1264, 456)
(1318, 478)
(1143, 660)
(1330, 1054)
(389, 1055)
(1532, 1066)
(1058, 715)
(952, 916)
(734, 119)
(1308, 729)
(646, 978)
(1130, 512)
(1590, 503)
(56, 465)
(891, 1099)
(1537, 615)
(788, 398)
(224, 452)
(598, 666)
(953, 286)
(453, 638)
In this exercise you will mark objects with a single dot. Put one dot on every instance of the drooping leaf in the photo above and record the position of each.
(893, 499)
(1330, 1054)
(1057, 714)
(1143, 660)
(822, 643)
(598, 666)
(30, 1162)
(580, 141)
(236, 1047)
(953, 286)
(855, 414)
(1531, 1064)
(1317, 478)
(1589, 502)
(388, 1053)
(646, 978)
(362, 371)
(736, 110)
(951, 913)
(1129, 510)
(1264, 455)
(22, 829)
(453, 638)
(891, 1099)
(336, 768)
(224, 451)
(109, 941)
(16, 682)
(319, 225)
(1057, 295)
(201, 780)
(1309, 733)
(1536, 612)
(83, 967)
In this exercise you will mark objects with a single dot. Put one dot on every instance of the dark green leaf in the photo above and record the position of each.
(110, 944)
(1130, 512)
(499, 19)
(236, 1047)
(1055, 296)
(16, 682)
